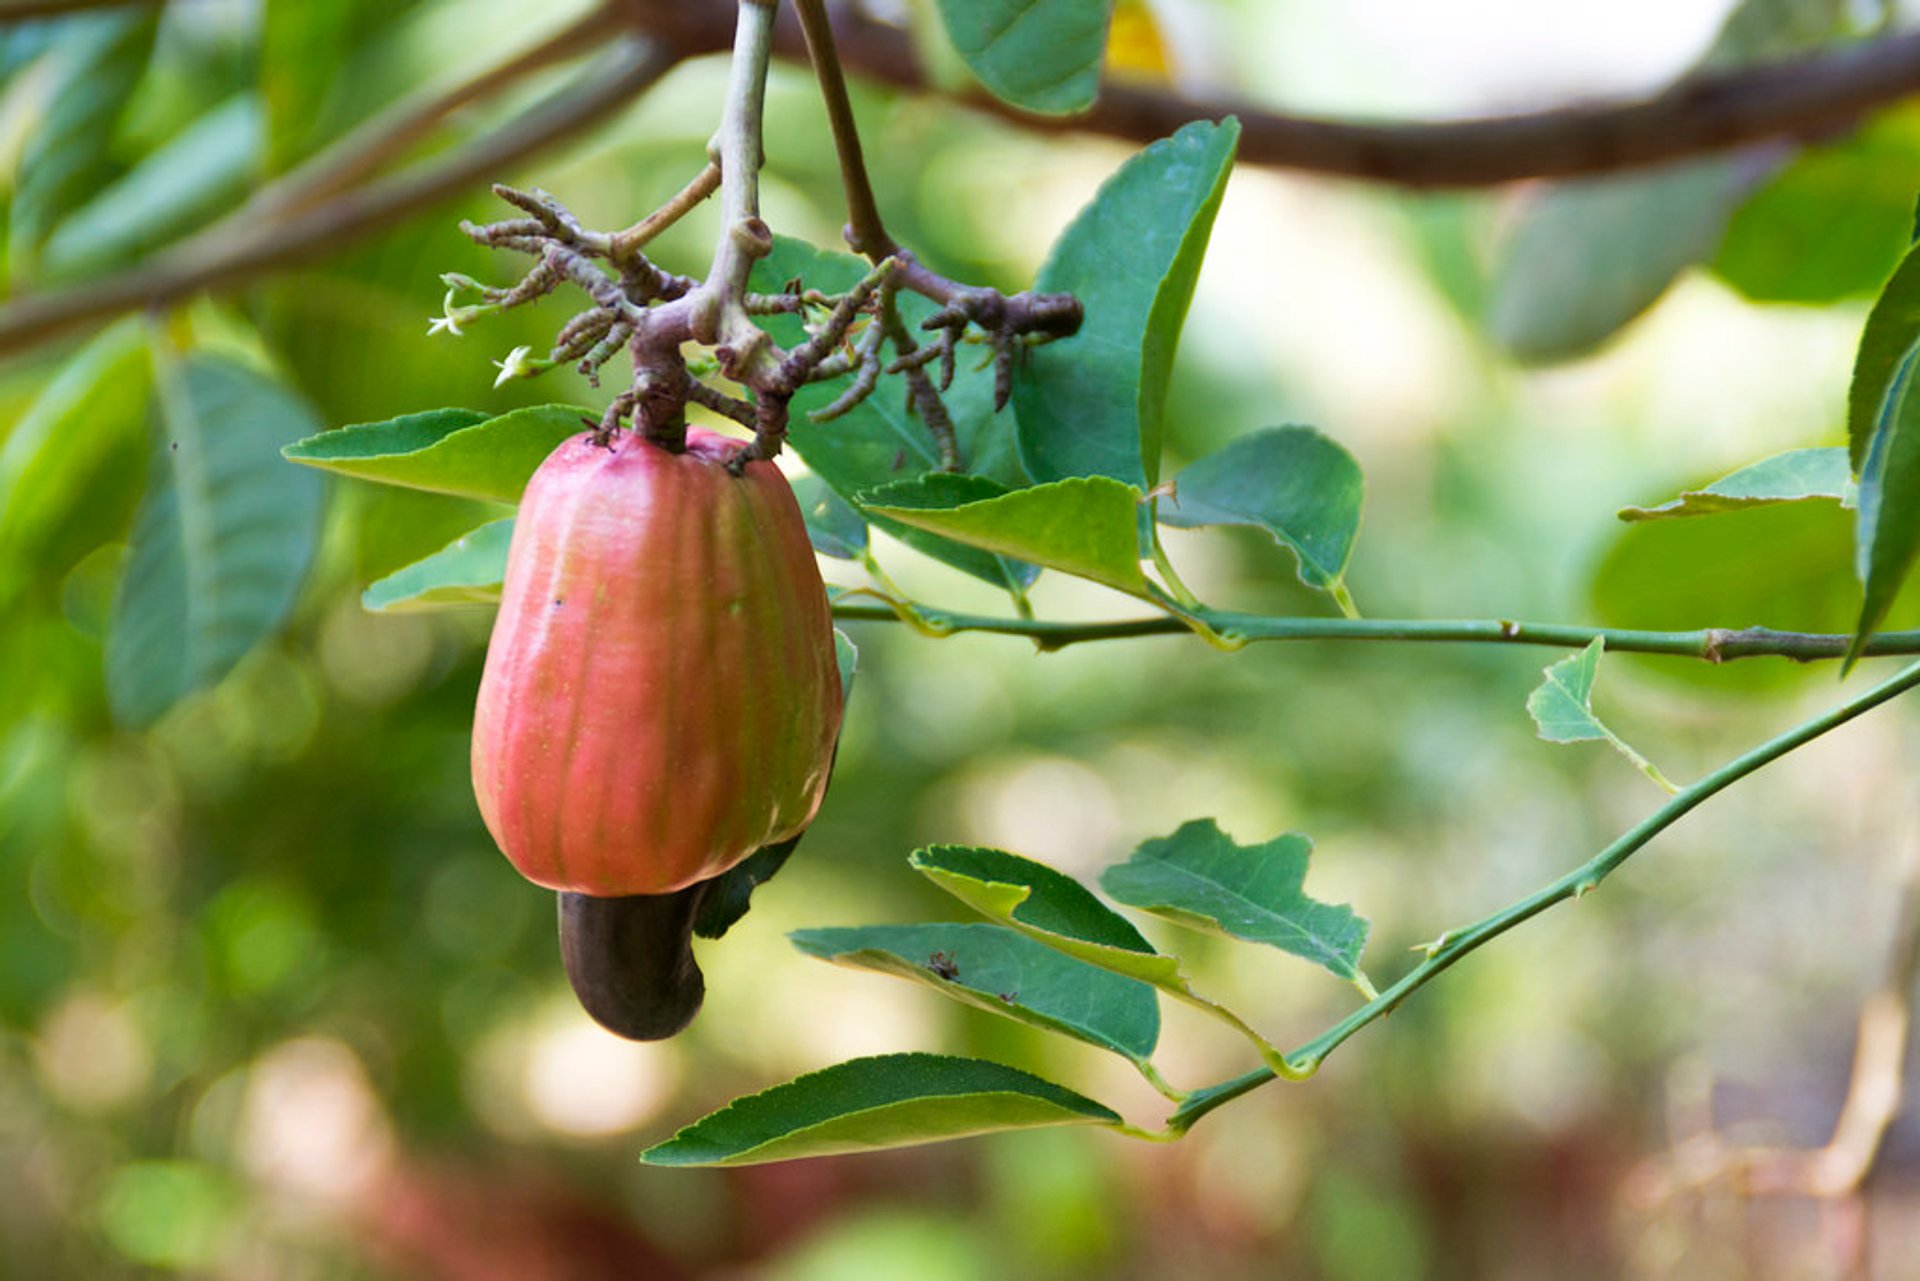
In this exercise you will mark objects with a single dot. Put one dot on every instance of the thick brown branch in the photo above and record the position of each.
(1802, 98)
(335, 222)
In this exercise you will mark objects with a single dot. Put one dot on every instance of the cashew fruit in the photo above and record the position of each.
(661, 697)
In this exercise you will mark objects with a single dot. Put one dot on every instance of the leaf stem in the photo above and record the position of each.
(1456, 944)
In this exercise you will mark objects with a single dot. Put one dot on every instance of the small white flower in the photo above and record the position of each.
(516, 365)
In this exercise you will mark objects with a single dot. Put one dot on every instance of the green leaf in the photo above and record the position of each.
(1562, 704)
(222, 539)
(1048, 906)
(98, 60)
(167, 193)
(1589, 255)
(86, 419)
(878, 442)
(1891, 332)
(1200, 877)
(1087, 526)
(730, 894)
(448, 451)
(1833, 224)
(1091, 405)
(833, 526)
(467, 571)
(1039, 55)
(1795, 476)
(1293, 482)
(889, 1101)
(1001, 970)
(1887, 532)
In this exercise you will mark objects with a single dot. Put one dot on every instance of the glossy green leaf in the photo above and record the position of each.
(1892, 332)
(833, 526)
(1087, 526)
(1887, 532)
(1587, 256)
(467, 571)
(1795, 476)
(1562, 704)
(1833, 224)
(889, 1101)
(88, 417)
(196, 173)
(1006, 972)
(1048, 906)
(449, 451)
(1091, 405)
(1039, 55)
(730, 894)
(878, 442)
(1293, 482)
(98, 59)
(1201, 877)
(222, 540)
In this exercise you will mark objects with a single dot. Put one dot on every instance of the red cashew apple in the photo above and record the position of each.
(661, 697)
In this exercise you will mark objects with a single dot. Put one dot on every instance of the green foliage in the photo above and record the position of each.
(222, 539)
(1092, 406)
(1039, 55)
(1887, 537)
(467, 571)
(447, 451)
(834, 527)
(1292, 482)
(1201, 877)
(881, 1102)
(1795, 476)
(1562, 704)
(1001, 970)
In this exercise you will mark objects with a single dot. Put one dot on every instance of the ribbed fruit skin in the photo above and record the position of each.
(661, 696)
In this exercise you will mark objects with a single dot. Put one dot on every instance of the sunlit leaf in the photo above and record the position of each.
(1039, 55)
(1006, 972)
(1047, 905)
(1200, 876)
(1091, 405)
(222, 540)
(1293, 482)
(1795, 476)
(893, 1100)
(1887, 534)
(467, 571)
(449, 451)
(1892, 332)
(1562, 704)
(1087, 526)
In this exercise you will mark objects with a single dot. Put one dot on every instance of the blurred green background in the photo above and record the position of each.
(271, 1005)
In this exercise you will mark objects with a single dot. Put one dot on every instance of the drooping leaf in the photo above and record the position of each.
(1892, 332)
(833, 526)
(1293, 482)
(222, 540)
(731, 893)
(1588, 255)
(449, 451)
(87, 418)
(891, 1100)
(1001, 970)
(1091, 405)
(1833, 224)
(467, 571)
(878, 442)
(196, 173)
(1562, 704)
(1048, 906)
(1200, 876)
(1795, 476)
(1088, 526)
(1039, 55)
(99, 58)
(1887, 532)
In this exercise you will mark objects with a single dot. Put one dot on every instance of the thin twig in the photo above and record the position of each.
(623, 245)
(866, 232)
